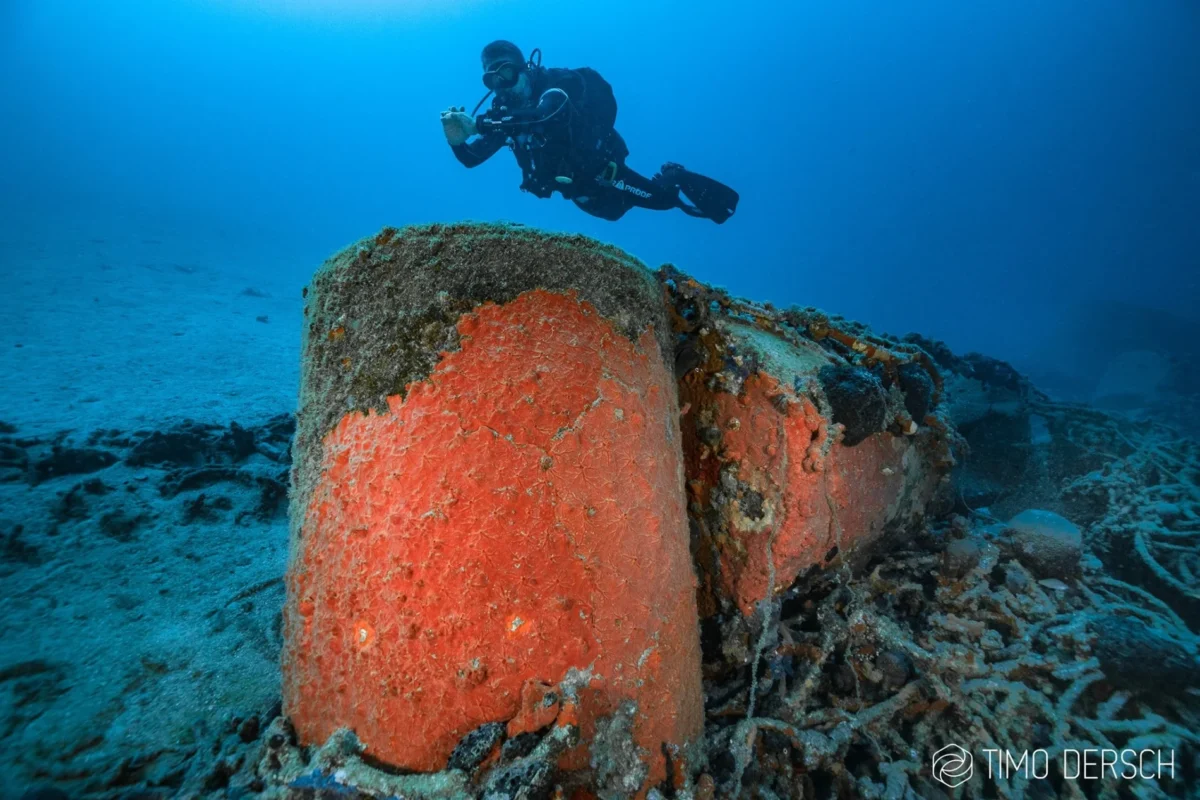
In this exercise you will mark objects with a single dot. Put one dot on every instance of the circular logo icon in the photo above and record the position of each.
(952, 765)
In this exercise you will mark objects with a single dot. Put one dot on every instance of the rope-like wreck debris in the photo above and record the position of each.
(870, 676)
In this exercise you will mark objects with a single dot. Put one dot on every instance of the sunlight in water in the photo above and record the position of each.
(332, 10)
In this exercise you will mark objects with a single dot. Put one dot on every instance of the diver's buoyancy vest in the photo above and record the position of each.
(567, 154)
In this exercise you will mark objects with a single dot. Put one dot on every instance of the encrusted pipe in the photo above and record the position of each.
(800, 456)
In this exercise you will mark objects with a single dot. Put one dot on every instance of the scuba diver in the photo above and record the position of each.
(559, 124)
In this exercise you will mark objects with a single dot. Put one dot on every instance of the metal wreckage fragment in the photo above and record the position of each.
(807, 442)
(492, 497)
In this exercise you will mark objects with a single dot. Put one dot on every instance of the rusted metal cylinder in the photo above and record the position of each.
(488, 497)
(803, 452)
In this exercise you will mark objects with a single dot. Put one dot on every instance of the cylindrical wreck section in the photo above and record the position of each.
(488, 512)
(806, 445)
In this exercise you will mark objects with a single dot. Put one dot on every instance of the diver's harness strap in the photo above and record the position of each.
(529, 122)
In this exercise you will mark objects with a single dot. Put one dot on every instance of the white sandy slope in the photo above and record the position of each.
(140, 331)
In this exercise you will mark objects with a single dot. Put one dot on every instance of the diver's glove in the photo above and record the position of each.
(458, 125)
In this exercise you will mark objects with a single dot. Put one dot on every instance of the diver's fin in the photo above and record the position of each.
(713, 199)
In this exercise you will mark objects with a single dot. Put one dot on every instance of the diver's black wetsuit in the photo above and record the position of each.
(567, 143)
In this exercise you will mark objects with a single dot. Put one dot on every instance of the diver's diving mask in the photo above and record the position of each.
(501, 75)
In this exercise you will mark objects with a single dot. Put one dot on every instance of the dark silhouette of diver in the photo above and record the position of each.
(559, 124)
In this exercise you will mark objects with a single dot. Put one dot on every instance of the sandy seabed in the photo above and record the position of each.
(134, 625)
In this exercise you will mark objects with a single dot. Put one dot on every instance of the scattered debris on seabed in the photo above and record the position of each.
(1050, 605)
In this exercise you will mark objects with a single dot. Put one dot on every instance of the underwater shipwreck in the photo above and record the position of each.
(562, 526)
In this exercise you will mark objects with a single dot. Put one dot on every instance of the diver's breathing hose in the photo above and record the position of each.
(566, 101)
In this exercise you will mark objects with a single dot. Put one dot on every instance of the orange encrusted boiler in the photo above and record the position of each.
(488, 499)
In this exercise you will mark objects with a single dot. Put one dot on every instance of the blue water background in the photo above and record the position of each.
(985, 172)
